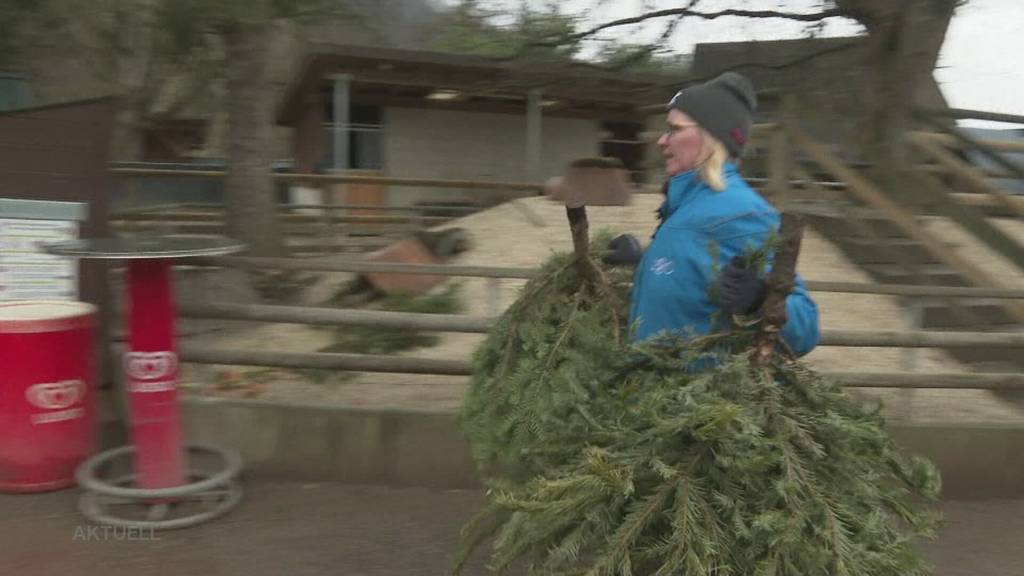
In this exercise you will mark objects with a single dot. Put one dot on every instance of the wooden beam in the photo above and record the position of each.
(337, 317)
(356, 219)
(481, 324)
(911, 290)
(1013, 166)
(324, 361)
(313, 265)
(336, 178)
(951, 141)
(867, 192)
(966, 172)
(920, 339)
(963, 114)
(970, 218)
(945, 380)
(363, 266)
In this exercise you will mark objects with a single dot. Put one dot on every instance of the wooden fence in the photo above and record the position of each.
(480, 324)
(783, 177)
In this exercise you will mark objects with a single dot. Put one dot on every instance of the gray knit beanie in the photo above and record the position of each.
(723, 106)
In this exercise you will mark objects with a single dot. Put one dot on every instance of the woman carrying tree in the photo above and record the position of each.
(710, 219)
(603, 456)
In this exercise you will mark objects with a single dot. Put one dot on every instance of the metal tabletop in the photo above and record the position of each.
(147, 247)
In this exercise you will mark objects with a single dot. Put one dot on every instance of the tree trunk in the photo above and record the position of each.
(904, 40)
(249, 192)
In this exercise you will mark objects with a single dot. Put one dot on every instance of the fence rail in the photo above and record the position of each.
(963, 114)
(342, 179)
(362, 266)
(481, 324)
(851, 181)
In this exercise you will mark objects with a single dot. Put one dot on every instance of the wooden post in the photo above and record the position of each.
(779, 156)
(493, 296)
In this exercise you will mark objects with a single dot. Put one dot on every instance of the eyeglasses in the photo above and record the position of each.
(676, 128)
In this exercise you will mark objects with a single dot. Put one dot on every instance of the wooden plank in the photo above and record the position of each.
(967, 173)
(912, 290)
(289, 230)
(1008, 163)
(288, 218)
(481, 324)
(905, 220)
(312, 265)
(337, 317)
(985, 201)
(946, 380)
(919, 339)
(287, 208)
(535, 187)
(363, 266)
(951, 141)
(964, 114)
(324, 361)
(972, 219)
(984, 171)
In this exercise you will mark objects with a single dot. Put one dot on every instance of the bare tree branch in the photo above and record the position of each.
(688, 11)
(644, 51)
(758, 66)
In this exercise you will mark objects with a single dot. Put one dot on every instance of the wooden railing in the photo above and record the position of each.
(480, 324)
(532, 187)
(783, 173)
(904, 219)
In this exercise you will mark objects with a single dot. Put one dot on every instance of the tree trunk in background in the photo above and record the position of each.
(249, 188)
(904, 40)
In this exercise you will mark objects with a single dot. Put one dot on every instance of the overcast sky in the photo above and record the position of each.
(981, 65)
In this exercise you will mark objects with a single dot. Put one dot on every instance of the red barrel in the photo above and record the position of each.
(47, 407)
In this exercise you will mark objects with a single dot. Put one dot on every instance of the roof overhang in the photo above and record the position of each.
(394, 77)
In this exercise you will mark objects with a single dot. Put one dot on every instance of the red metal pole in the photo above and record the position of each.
(151, 372)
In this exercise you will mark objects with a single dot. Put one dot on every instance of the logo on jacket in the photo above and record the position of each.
(662, 267)
(55, 395)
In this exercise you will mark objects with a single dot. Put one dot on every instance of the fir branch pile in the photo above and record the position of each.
(603, 457)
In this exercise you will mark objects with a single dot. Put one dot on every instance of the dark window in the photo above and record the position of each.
(622, 140)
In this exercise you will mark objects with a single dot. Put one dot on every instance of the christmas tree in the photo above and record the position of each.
(607, 457)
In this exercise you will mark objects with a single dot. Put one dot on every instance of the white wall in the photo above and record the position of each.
(473, 145)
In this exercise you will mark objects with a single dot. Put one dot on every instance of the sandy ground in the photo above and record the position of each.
(526, 232)
(308, 529)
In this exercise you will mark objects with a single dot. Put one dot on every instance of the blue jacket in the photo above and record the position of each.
(670, 289)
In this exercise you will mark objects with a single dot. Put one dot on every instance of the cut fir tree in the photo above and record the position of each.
(603, 457)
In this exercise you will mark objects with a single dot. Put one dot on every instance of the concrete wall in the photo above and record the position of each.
(422, 448)
(473, 145)
(402, 447)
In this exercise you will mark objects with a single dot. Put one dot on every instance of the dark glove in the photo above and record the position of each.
(742, 290)
(624, 249)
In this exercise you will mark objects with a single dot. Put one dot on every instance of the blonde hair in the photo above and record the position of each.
(712, 168)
